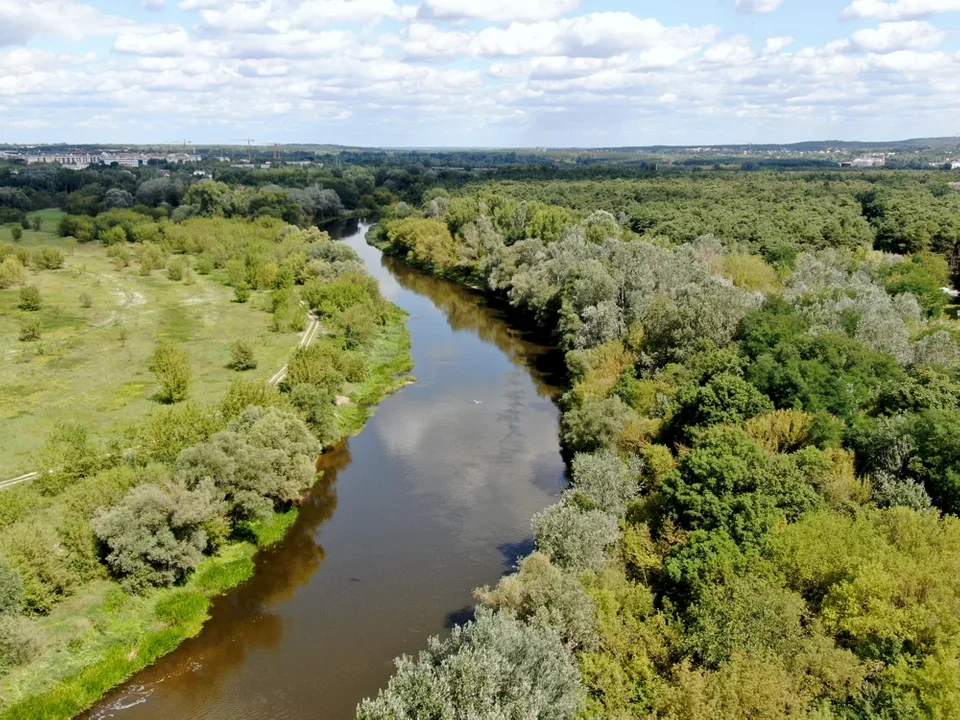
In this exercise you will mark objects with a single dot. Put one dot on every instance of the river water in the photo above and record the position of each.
(432, 499)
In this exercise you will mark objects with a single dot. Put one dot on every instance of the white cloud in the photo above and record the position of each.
(595, 35)
(165, 43)
(899, 9)
(777, 43)
(21, 20)
(499, 11)
(757, 6)
(426, 41)
(889, 37)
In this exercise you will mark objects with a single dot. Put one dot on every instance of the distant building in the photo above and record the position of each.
(67, 160)
(869, 161)
(955, 165)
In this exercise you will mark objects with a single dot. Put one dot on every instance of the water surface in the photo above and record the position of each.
(432, 499)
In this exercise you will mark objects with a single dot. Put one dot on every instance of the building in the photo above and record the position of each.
(67, 160)
(869, 161)
(955, 165)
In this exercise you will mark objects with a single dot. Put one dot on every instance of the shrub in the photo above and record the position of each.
(155, 536)
(48, 258)
(37, 223)
(30, 329)
(264, 458)
(11, 272)
(20, 641)
(171, 365)
(605, 480)
(595, 424)
(241, 355)
(11, 590)
(168, 430)
(16, 233)
(120, 256)
(494, 667)
(241, 394)
(85, 300)
(241, 292)
(575, 539)
(176, 269)
(317, 409)
(30, 298)
(204, 264)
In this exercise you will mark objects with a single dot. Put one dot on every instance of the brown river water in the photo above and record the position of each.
(431, 500)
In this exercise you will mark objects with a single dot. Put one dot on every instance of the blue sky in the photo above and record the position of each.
(478, 72)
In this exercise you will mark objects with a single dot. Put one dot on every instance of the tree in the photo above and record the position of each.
(242, 356)
(573, 538)
(31, 328)
(37, 223)
(171, 365)
(16, 233)
(725, 399)
(11, 590)
(117, 198)
(241, 292)
(494, 667)
(265, 458)
(156, 535)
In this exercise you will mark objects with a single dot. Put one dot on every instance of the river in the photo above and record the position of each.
(432, 499)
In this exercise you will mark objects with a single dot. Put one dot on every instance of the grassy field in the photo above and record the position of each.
(47, 234)
(90, 365)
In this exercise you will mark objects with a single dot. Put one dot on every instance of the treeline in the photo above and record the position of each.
(766, 465)
(149, 506)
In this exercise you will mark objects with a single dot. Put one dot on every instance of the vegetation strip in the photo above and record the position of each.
(110, 560)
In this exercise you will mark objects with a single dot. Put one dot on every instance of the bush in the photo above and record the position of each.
(241, 292)
(48, 258)
(595, 424)
(606, 480)
(120, 256)
(85, 300)
(241, 355)
(30, 329)
(575, 539)
(265, 457)
(20, 641)
(171, 365)
(155, 536)
(176, 269)
(16, 233)
(30, 298)
(37, 223)
(241, 394)
(317, 409)
(11, 272)
(204, 265)
(494, 667)
(11, 590)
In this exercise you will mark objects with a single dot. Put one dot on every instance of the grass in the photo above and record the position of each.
(47, 234)
(90, 365)
(389, 361)
(102, 636)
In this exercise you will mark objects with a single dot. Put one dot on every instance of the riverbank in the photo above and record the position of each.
(101, 636)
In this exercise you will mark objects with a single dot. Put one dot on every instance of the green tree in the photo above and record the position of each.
(31, 328)
(494, 667)
(37, 223)
(30, 299)
(16, 233)
(171, 366)
(242, 356)
(156, 535)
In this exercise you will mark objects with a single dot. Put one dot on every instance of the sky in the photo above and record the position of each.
(478, 73)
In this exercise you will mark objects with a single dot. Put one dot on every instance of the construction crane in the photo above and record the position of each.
(249, 142)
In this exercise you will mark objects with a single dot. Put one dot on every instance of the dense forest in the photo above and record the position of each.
(762, 422)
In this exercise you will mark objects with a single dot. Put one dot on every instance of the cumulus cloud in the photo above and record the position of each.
(20, 21)
(452, 72)
(898, 9)
(757, 6)
(777, 43)
(498, 11)
(889, 37)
